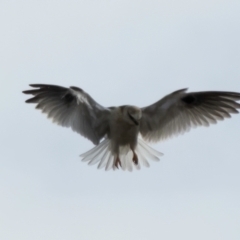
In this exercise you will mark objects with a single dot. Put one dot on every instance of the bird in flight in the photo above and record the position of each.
(120, 133)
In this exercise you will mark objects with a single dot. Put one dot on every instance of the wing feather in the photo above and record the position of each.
(71, 107)
(180, 111)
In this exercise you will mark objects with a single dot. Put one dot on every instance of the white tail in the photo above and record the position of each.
(103, 155)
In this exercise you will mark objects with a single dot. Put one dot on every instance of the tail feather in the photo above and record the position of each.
(110, 162)
(94, 152)
(126, 160)
(95, 158)
(147, 151)
(104, 160)
(142, 158)
(103, 156)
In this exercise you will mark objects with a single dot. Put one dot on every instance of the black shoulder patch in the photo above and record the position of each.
(189, 99)
(68, 98)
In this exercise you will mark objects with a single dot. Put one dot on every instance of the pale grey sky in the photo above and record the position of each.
(120, 52)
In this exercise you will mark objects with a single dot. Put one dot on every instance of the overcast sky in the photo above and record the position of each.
(120, 52)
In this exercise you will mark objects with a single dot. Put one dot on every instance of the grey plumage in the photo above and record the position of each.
(119, 132)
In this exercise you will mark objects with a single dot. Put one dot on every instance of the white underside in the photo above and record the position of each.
(105, 158)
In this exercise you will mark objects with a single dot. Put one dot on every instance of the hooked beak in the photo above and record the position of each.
(133, 119)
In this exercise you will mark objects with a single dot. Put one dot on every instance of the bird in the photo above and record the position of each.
(120, 134)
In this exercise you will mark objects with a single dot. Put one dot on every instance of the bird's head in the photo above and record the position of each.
(132, 114)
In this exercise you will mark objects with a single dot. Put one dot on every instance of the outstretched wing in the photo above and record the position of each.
(179, 111)
(71, 107)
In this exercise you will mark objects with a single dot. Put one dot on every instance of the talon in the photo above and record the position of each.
(135, 158)
(117, 162)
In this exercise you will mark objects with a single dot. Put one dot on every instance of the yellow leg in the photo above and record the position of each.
(117, 162)
(135, 157)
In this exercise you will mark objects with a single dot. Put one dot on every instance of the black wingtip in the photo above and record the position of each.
(36, 85)
(27, 91)
(31, 91)
(31, 100)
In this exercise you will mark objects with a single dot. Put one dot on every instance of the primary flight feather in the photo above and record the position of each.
(119, 132)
